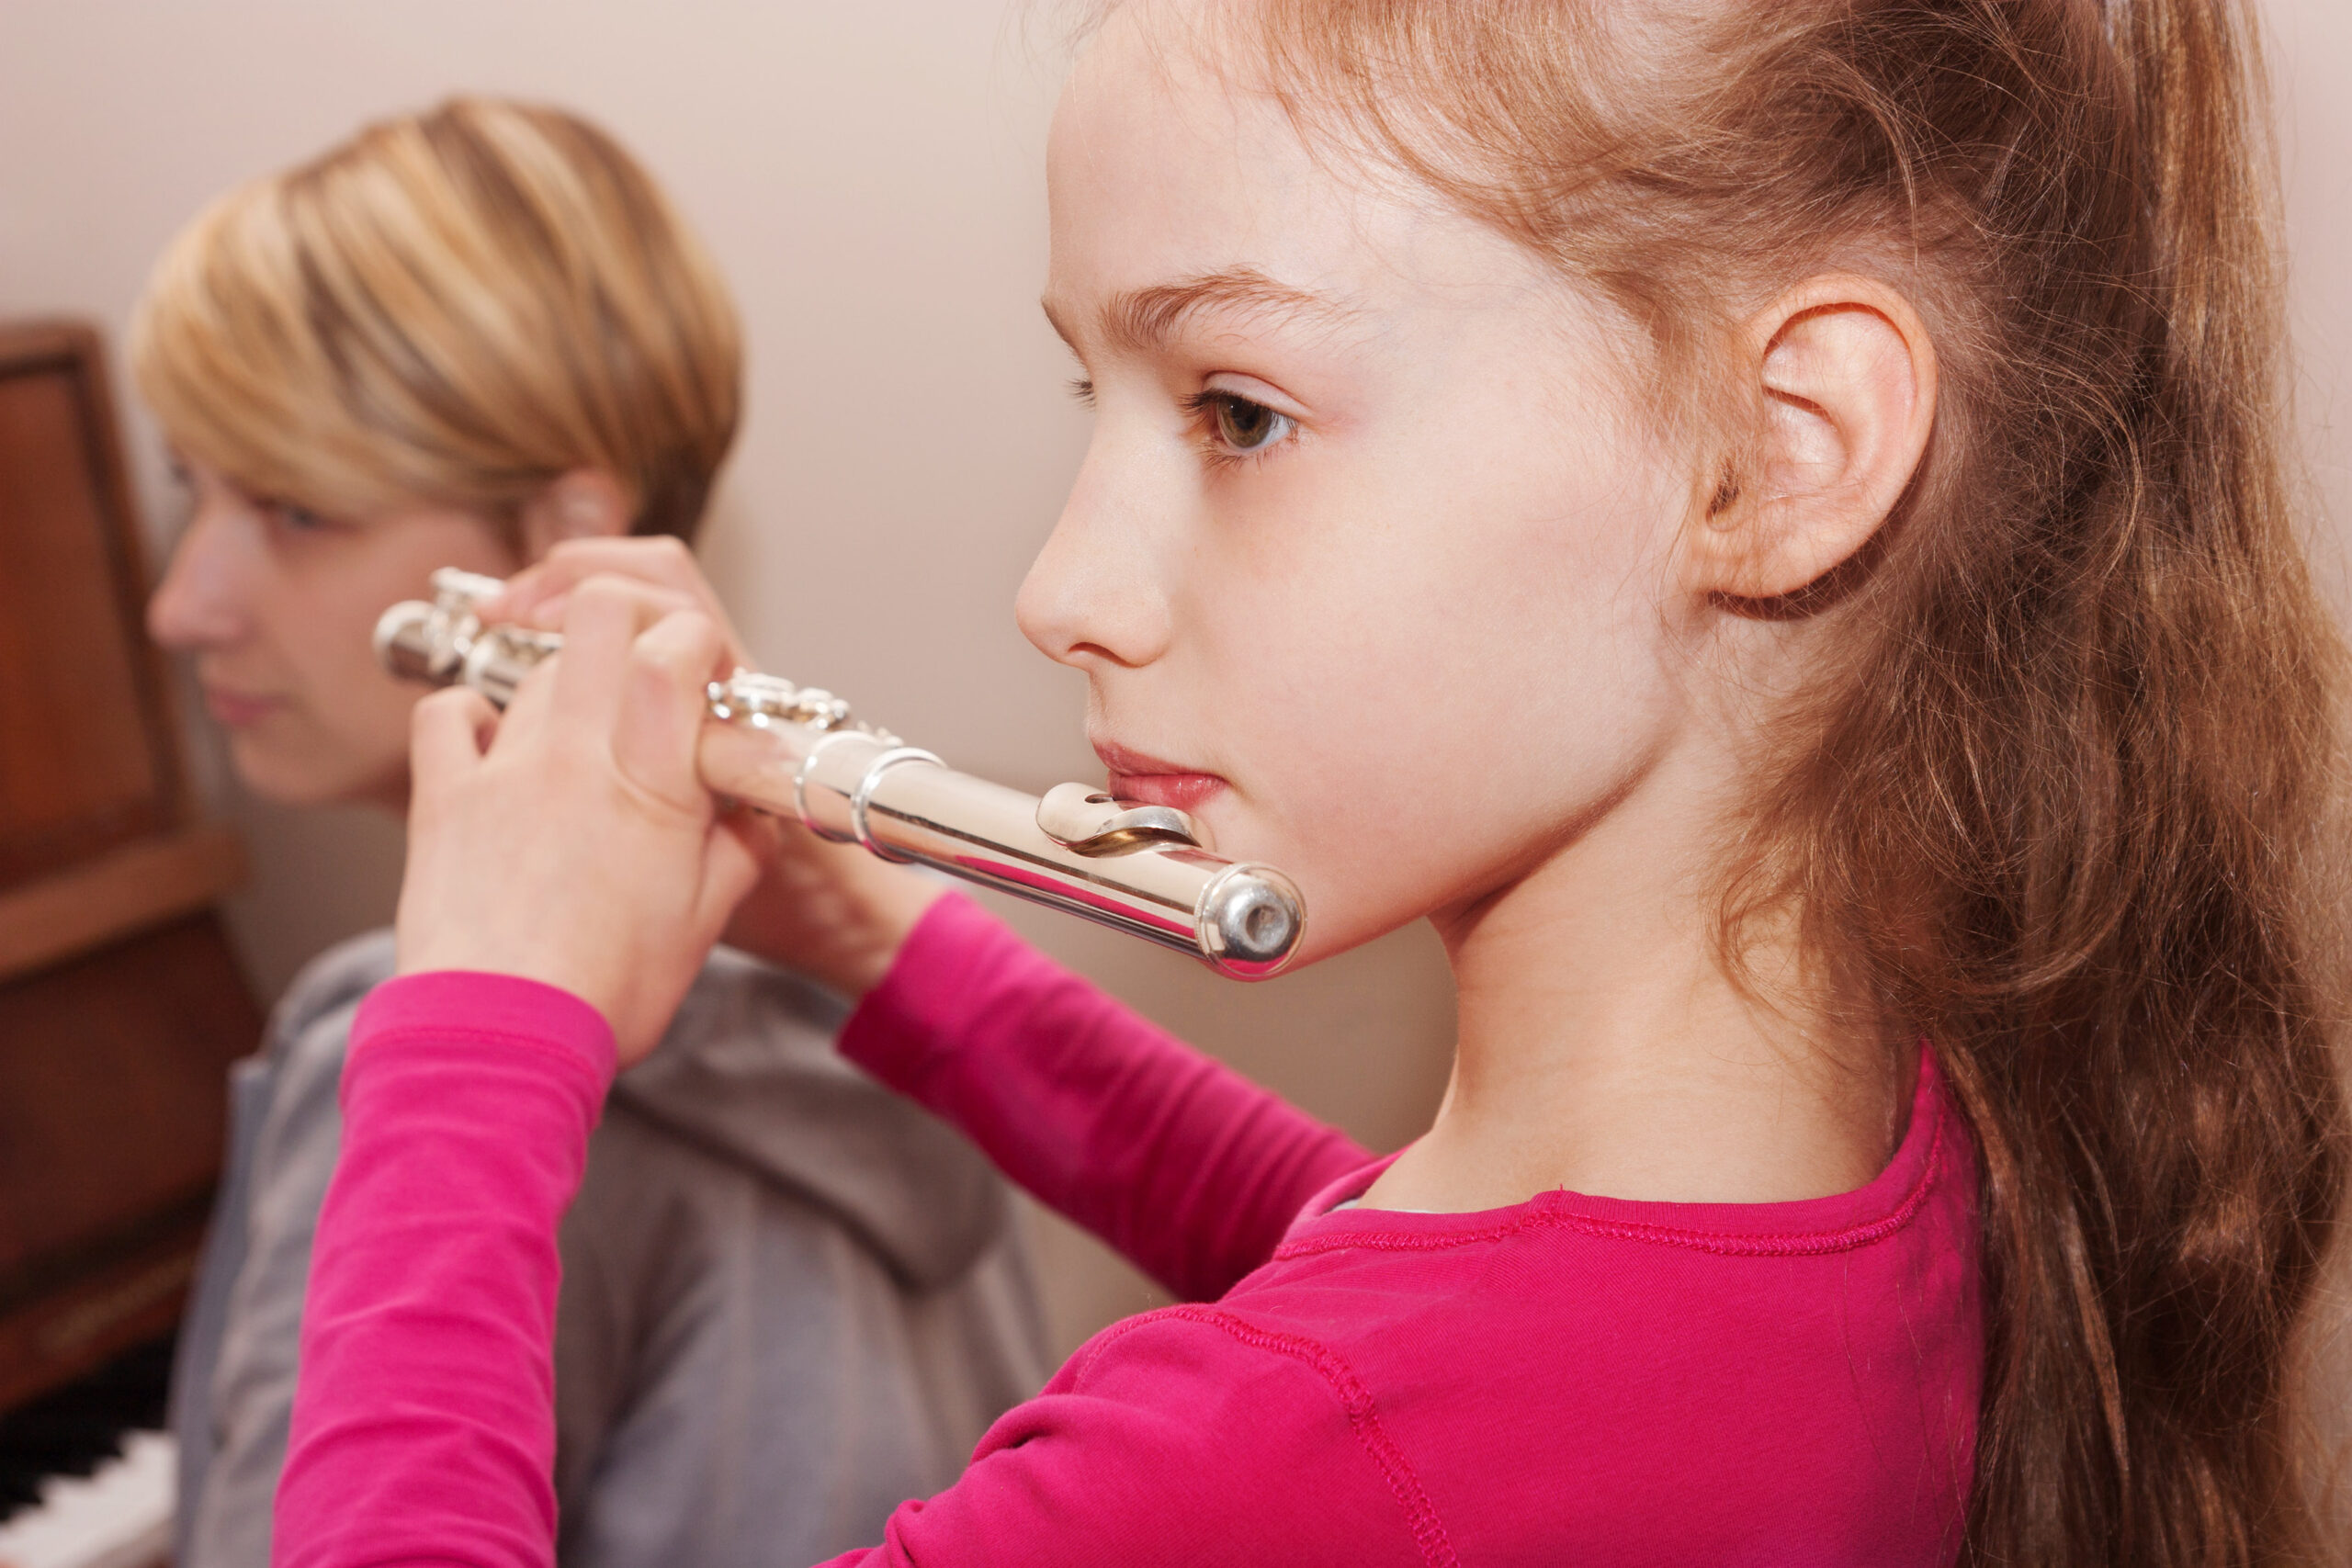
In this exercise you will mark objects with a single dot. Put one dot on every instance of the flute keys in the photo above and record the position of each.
(820, 709)
(771, 699)
(749, 694)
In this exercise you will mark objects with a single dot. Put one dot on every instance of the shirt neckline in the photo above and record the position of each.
(1834, 1223)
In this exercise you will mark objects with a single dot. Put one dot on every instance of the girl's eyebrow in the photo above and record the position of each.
(1143, 319)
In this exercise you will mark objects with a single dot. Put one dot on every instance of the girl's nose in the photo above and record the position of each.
(1094, 594)
(201, 602)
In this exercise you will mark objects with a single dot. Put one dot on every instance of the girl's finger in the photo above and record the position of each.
(527, 712)
(660, 560)
(662, 706)
(602, 619)
(448, 731)
(534, 596)
(551, 609)
(732, 865)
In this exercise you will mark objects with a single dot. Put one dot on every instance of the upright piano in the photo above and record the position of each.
(120, 1002)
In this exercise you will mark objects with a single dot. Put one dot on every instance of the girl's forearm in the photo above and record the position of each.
(1187, 1169)
(423, 1425)
(424, 1420)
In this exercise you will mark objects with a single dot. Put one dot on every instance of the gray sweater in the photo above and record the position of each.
(791, 1300)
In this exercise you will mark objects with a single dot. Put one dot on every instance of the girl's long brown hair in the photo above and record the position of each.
(2065, 801)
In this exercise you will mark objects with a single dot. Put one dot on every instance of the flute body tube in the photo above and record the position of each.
(792, 750)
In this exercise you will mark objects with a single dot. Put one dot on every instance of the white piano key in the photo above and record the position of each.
(118, 1517)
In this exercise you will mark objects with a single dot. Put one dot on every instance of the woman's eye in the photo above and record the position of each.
(1244, 426)
(300, 519)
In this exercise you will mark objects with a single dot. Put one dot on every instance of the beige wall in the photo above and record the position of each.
(870, 178)
(2311, 44)
(2312, 58)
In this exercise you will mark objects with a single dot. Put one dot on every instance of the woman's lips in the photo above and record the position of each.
(236, 709)
(1152, 782)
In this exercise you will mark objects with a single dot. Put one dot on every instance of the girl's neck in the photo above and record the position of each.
(1603, 1048)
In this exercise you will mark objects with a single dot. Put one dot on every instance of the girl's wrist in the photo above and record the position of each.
(832, 912)
(890, 909)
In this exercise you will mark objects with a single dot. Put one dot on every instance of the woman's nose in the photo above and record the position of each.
(201, 602)
(1095, 594)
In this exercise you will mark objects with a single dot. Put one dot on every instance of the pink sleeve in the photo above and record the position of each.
(1184, 1165)
(423, 1421)
(423, 1427)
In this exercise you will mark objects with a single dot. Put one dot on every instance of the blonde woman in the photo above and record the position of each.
(790, 1298)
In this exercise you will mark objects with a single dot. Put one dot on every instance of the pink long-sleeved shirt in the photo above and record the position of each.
(1571, 1379)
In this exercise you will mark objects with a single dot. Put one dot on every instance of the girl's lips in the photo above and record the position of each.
(1185, 792)
(1152, 782)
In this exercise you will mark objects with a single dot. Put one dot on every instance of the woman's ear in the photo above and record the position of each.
(1846, 379)
(585, 503)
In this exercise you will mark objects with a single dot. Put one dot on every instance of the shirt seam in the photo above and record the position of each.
(1768, 1245)
(402, 1035)
(1362, 1415)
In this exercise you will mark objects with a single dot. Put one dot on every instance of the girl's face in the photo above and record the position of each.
(278, 607)
(1371, 563)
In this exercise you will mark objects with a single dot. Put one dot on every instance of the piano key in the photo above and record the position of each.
(73, 1429)
(117, 1516)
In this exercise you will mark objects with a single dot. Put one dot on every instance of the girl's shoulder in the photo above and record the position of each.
(1810, 1368)
(1547, 1379)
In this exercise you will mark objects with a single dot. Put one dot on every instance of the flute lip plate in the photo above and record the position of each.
(1090, 822)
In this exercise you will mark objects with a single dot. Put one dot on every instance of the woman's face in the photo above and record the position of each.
(1371, 562)
(277, 608)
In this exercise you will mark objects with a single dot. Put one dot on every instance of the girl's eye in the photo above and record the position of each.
(1244, 427)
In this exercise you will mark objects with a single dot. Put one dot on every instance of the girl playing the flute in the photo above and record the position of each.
(1764, 522)
(456, 339)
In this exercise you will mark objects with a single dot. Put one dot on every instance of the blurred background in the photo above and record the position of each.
(870, 178)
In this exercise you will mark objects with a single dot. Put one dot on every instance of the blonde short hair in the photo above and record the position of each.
(454, 308)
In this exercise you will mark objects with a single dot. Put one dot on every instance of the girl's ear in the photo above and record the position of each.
(1846, 379)
(585, 503)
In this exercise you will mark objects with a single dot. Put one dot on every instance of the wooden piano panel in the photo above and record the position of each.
(111, 1121)
(120, 1002)
(88, 762)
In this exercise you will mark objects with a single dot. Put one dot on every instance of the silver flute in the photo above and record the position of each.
(794, 751)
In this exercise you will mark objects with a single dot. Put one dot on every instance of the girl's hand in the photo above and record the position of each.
(537, 595)
(570, 840)
(831, 911)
